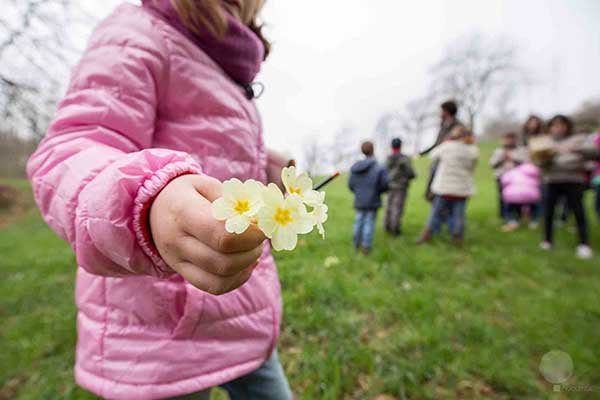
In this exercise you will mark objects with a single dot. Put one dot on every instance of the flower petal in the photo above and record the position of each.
(304, 183)
(321, 230)
(266, 223)
(272, 195)
(284, 239)
(312, 197)
(222, 209)
(237, 224)
(288, 177)
(233, 189)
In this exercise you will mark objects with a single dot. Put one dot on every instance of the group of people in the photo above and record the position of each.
(547, 166)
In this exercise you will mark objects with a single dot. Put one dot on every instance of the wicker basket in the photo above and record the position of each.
(541, 148)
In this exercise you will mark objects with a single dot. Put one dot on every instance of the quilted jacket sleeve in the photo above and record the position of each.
(95, 173)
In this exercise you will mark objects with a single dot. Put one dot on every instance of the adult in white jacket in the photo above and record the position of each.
(453, 184)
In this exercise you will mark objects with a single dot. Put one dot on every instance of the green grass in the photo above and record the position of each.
(414, 322)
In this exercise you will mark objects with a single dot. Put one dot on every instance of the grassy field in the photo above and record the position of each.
(407, 322)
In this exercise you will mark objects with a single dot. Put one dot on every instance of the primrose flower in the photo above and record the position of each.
(319, 212)
(282, 218)
(301, 185)
(239, 204)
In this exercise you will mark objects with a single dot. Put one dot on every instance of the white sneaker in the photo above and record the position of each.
(546, 246)
(584, 252)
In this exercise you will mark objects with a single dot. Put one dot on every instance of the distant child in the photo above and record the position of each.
(368, 180)
(521, 193)
(505, 158)
(564, 172)
(453, 184)
(400, 173)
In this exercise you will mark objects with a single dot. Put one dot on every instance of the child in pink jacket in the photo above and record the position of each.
(520, 192)
(158, 113)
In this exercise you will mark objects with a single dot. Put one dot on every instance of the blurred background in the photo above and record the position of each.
(345, 71)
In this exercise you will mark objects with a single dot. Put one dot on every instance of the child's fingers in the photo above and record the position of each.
(225, 265)
(209, 188)
(211, 283)
(197, 220)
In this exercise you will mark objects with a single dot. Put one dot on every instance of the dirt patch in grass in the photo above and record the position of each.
(12, 204)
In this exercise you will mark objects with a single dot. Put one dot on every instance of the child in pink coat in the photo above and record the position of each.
(158, 113)
(520, 192)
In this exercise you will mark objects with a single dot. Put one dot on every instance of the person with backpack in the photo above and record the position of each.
(400, 173)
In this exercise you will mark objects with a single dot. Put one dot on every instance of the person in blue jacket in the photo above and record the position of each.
(368, 180)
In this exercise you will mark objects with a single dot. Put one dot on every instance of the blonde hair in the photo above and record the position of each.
(213, 18)
(462, 133)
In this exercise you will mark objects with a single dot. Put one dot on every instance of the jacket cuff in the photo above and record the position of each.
(141, 210)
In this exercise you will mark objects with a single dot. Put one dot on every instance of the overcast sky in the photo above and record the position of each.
(344, 62)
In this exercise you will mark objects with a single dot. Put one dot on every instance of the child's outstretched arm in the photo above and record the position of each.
(95, 174)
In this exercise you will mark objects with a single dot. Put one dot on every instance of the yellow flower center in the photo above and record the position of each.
(241, 206)
(295, 190)
(282, 216)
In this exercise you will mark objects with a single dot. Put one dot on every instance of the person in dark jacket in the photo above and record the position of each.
(448, 123)
(400, 172)
(368, 180)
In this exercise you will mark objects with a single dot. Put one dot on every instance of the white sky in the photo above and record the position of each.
(344, 62)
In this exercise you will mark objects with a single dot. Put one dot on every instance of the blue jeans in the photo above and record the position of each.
(364, 228)
(455, 212)
(268, 382)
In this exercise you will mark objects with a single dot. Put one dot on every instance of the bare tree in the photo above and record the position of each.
(314, 155)
(344, 148)
(587, 116)
(36, 50)
(474, 70)
(388, 126)
(419, 116)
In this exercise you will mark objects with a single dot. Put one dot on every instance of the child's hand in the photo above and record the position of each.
(196, 245)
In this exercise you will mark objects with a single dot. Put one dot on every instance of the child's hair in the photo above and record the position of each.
(540, 125)
(212, 16)
(565, 120)
(396, 143)
(367, 148)
(450, 107)
(458, 132)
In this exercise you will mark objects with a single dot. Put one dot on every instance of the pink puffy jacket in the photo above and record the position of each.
(521, 185)
(146, 105)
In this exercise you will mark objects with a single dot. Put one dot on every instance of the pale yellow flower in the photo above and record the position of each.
(239, 204)
(282, 219)
(301, 185)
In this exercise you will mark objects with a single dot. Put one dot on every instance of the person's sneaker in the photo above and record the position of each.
(546, 246)
(584, 252)
(510, 226)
